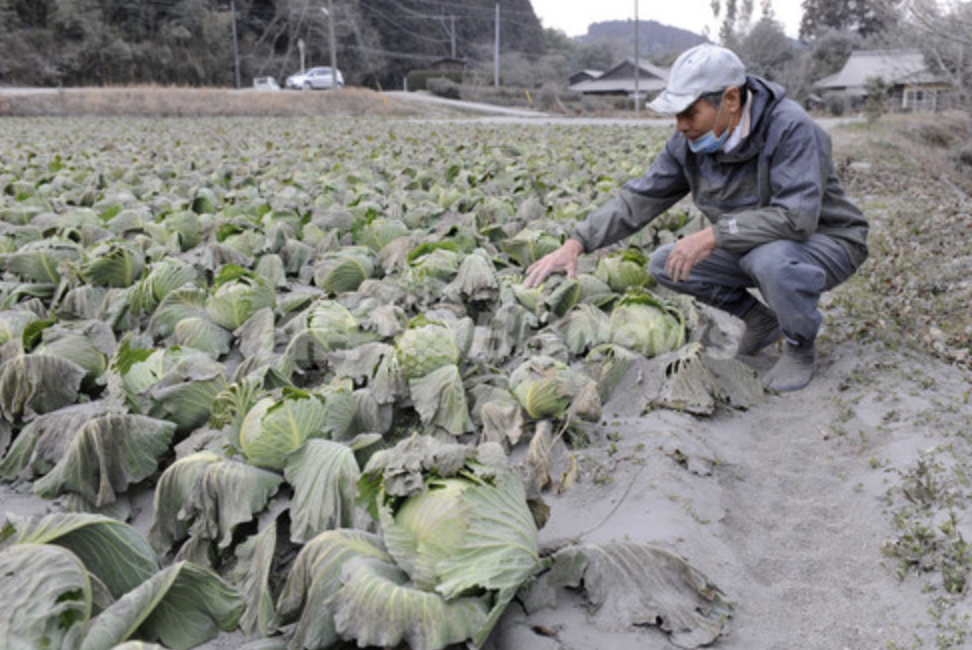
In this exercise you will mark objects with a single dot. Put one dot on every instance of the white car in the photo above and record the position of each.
(316, 79)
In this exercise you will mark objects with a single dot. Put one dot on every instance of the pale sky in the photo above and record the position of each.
(573, 16)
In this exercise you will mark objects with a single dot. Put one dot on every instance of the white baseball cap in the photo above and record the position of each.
(701, 70)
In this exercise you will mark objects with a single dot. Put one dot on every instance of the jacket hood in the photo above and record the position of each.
(766, 95)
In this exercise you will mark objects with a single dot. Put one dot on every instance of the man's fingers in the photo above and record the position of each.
(562, 259)
(672, 265)
(536, 274)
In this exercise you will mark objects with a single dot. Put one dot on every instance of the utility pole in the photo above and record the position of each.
(453, 16)
(451, 31)
(496, 50)
(332, 42)
(637, 64)
(236, 44)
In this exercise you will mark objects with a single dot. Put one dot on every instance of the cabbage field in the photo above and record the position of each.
(311, 339)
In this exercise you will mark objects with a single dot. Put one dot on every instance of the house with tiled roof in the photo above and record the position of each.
(912, 86)
(620, 80)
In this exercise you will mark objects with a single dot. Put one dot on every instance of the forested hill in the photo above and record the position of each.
(655, 40)
(191, 42)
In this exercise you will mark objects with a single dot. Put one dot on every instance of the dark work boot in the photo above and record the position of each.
(794, 370)
(762, 329)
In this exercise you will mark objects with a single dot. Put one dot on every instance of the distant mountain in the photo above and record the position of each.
(655, 40)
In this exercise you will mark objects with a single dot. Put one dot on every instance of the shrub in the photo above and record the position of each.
(836, 105)
(877, 98)
(418, 79)
(940, 136)
(965, 157)
(548, 99)
(442, 87)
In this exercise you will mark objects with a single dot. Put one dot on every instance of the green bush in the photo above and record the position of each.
(419, 79)
(877, 98)
(442, 87)
(836, 105)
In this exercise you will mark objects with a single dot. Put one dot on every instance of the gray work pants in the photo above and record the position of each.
(790, 275)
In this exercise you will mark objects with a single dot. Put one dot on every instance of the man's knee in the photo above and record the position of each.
(780, 265)
(656, 264)
(768, 259)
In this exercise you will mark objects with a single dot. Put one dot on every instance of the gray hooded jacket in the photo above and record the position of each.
(779, 183)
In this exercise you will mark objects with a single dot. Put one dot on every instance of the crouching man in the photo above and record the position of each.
(760, 169)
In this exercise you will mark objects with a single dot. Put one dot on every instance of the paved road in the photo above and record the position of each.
(492, 114)
(4, 90)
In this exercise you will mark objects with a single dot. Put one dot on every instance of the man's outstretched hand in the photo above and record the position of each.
(562, 259)
(688, 252)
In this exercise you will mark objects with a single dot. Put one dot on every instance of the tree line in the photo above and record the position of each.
(193, 42)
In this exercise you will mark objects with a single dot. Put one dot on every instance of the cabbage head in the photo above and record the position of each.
(529, 245)
(457, 522)
(647, 325)
(425, 348)
(275, 427)
(548, 388)
(239, 295)
(624, 270)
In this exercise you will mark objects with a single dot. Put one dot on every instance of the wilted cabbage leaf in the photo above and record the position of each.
(33, 384)
(182, 606)
(46, 597)
(87, 343)
(583, 328)
(529, 245)
(631, 585)
(696, 382)
(608, 364)
(176, 384)
(171, 494)
(163, 278)
(178, 304)
(113, 265)
(225, 494)
(39, 262)
(107, 455)
(316, 575)
(475, 281)
(12, 323)
(253, 575)
(325, 476)
(440, 399)
(112, 551)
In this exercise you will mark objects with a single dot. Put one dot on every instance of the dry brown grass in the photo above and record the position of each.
(156, 101)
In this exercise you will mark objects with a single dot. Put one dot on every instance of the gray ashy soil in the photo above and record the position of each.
(786, 507)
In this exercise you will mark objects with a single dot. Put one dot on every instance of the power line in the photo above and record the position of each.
(394, 55)
(407, 10)
(401, 28)
(484, 11)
